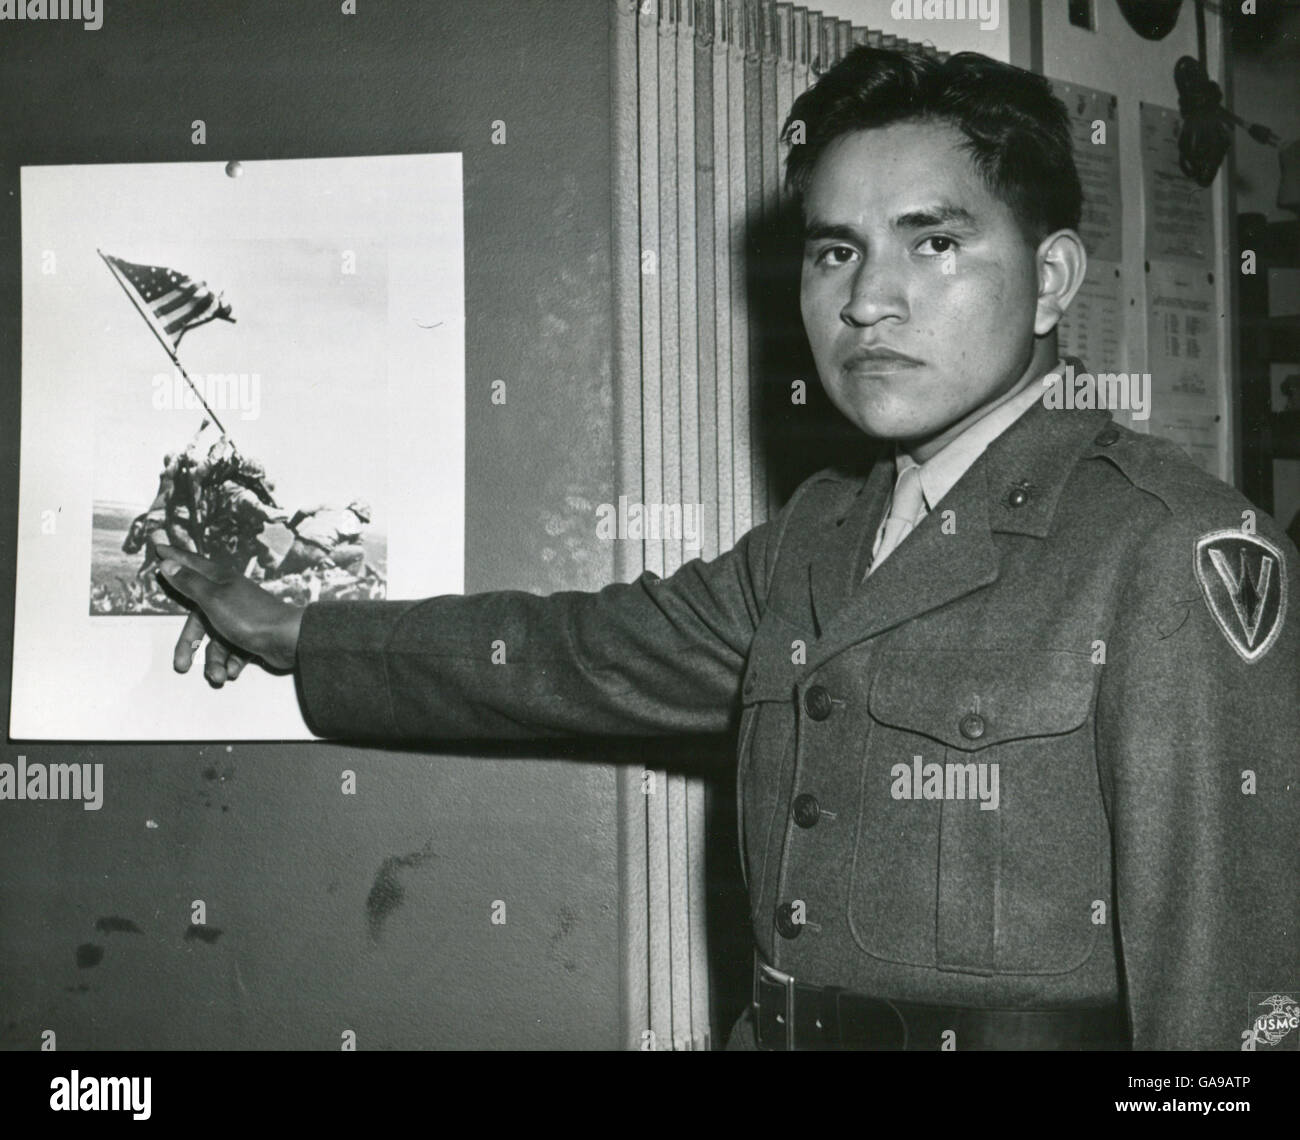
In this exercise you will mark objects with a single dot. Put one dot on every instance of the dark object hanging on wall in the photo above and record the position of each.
(1207, 124)
(1206, 132)
(1151, 19)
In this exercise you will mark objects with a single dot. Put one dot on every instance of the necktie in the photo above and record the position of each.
(906, 509)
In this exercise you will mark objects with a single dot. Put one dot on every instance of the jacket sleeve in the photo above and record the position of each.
(1198, 761)
(652, 657)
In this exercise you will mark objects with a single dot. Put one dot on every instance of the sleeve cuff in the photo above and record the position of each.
(342, 677)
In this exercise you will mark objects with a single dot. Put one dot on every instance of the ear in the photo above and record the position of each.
(1062, 263)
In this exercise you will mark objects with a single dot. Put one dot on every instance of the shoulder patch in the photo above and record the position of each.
(1243, 578)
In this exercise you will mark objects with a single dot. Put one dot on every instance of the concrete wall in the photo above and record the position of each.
(368, 913)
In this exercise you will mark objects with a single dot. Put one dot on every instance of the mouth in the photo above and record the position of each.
(878, 361)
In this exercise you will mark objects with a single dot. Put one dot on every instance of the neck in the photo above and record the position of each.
(1042, 361)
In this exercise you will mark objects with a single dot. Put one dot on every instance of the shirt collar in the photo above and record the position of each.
(939, 473)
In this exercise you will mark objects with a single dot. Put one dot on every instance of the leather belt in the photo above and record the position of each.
(794, 1015)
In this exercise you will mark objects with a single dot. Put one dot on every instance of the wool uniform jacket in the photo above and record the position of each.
(1085, 618)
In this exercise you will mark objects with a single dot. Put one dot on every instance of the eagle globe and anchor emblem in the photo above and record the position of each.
(1272, 1027)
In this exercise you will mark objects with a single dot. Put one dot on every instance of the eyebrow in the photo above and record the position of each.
(939, 214)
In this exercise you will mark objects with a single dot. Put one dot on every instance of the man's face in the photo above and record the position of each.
(908, 252)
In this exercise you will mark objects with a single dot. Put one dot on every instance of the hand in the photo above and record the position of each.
(249, 621)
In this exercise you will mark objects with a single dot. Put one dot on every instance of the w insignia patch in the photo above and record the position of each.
(1243, 578)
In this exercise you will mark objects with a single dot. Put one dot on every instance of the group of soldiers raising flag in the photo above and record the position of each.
(216, 502)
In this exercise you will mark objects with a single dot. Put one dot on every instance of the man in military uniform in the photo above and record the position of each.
(174, 515)
(1017, 711)
(162, 522)
(238, 520)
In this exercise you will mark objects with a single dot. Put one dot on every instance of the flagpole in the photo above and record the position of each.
(171, 352)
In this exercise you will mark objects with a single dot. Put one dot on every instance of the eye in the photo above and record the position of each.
(834, 255)
(939, 244)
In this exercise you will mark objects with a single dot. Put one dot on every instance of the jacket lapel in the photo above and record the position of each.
(929, 568)
(937, 564)
(838, 544)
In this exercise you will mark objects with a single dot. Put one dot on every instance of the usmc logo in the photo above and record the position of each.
(1272, 1027)
(1243, 578)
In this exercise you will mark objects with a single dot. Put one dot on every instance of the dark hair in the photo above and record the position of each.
(1017, 132)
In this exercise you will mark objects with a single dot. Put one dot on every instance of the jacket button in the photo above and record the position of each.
(817, 703)
(1107, 436)
(971, 726)
(1019, 496)
(807, 811)
(786, 926)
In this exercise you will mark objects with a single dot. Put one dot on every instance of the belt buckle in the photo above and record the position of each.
(786, 981)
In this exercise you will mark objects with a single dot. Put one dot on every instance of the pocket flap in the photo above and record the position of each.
(970, 700)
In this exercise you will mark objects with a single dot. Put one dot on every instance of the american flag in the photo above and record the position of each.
(176, 302)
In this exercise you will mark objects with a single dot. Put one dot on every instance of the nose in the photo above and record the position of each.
(876, 293)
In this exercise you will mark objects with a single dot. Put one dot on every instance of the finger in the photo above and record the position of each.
(193, 562)
(214, 668)
(188, 644)
(234, 666)
(191, 583)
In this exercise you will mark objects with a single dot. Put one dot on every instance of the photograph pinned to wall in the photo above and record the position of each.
(272, 377)
(212, 497)
(1093, 326)
(1179, 225)
(1182, 357)
(1094, 135)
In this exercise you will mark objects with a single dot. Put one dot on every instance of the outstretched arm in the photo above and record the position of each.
(652, 657)
(649, 657)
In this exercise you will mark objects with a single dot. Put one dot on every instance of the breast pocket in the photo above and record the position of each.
(979, 844)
